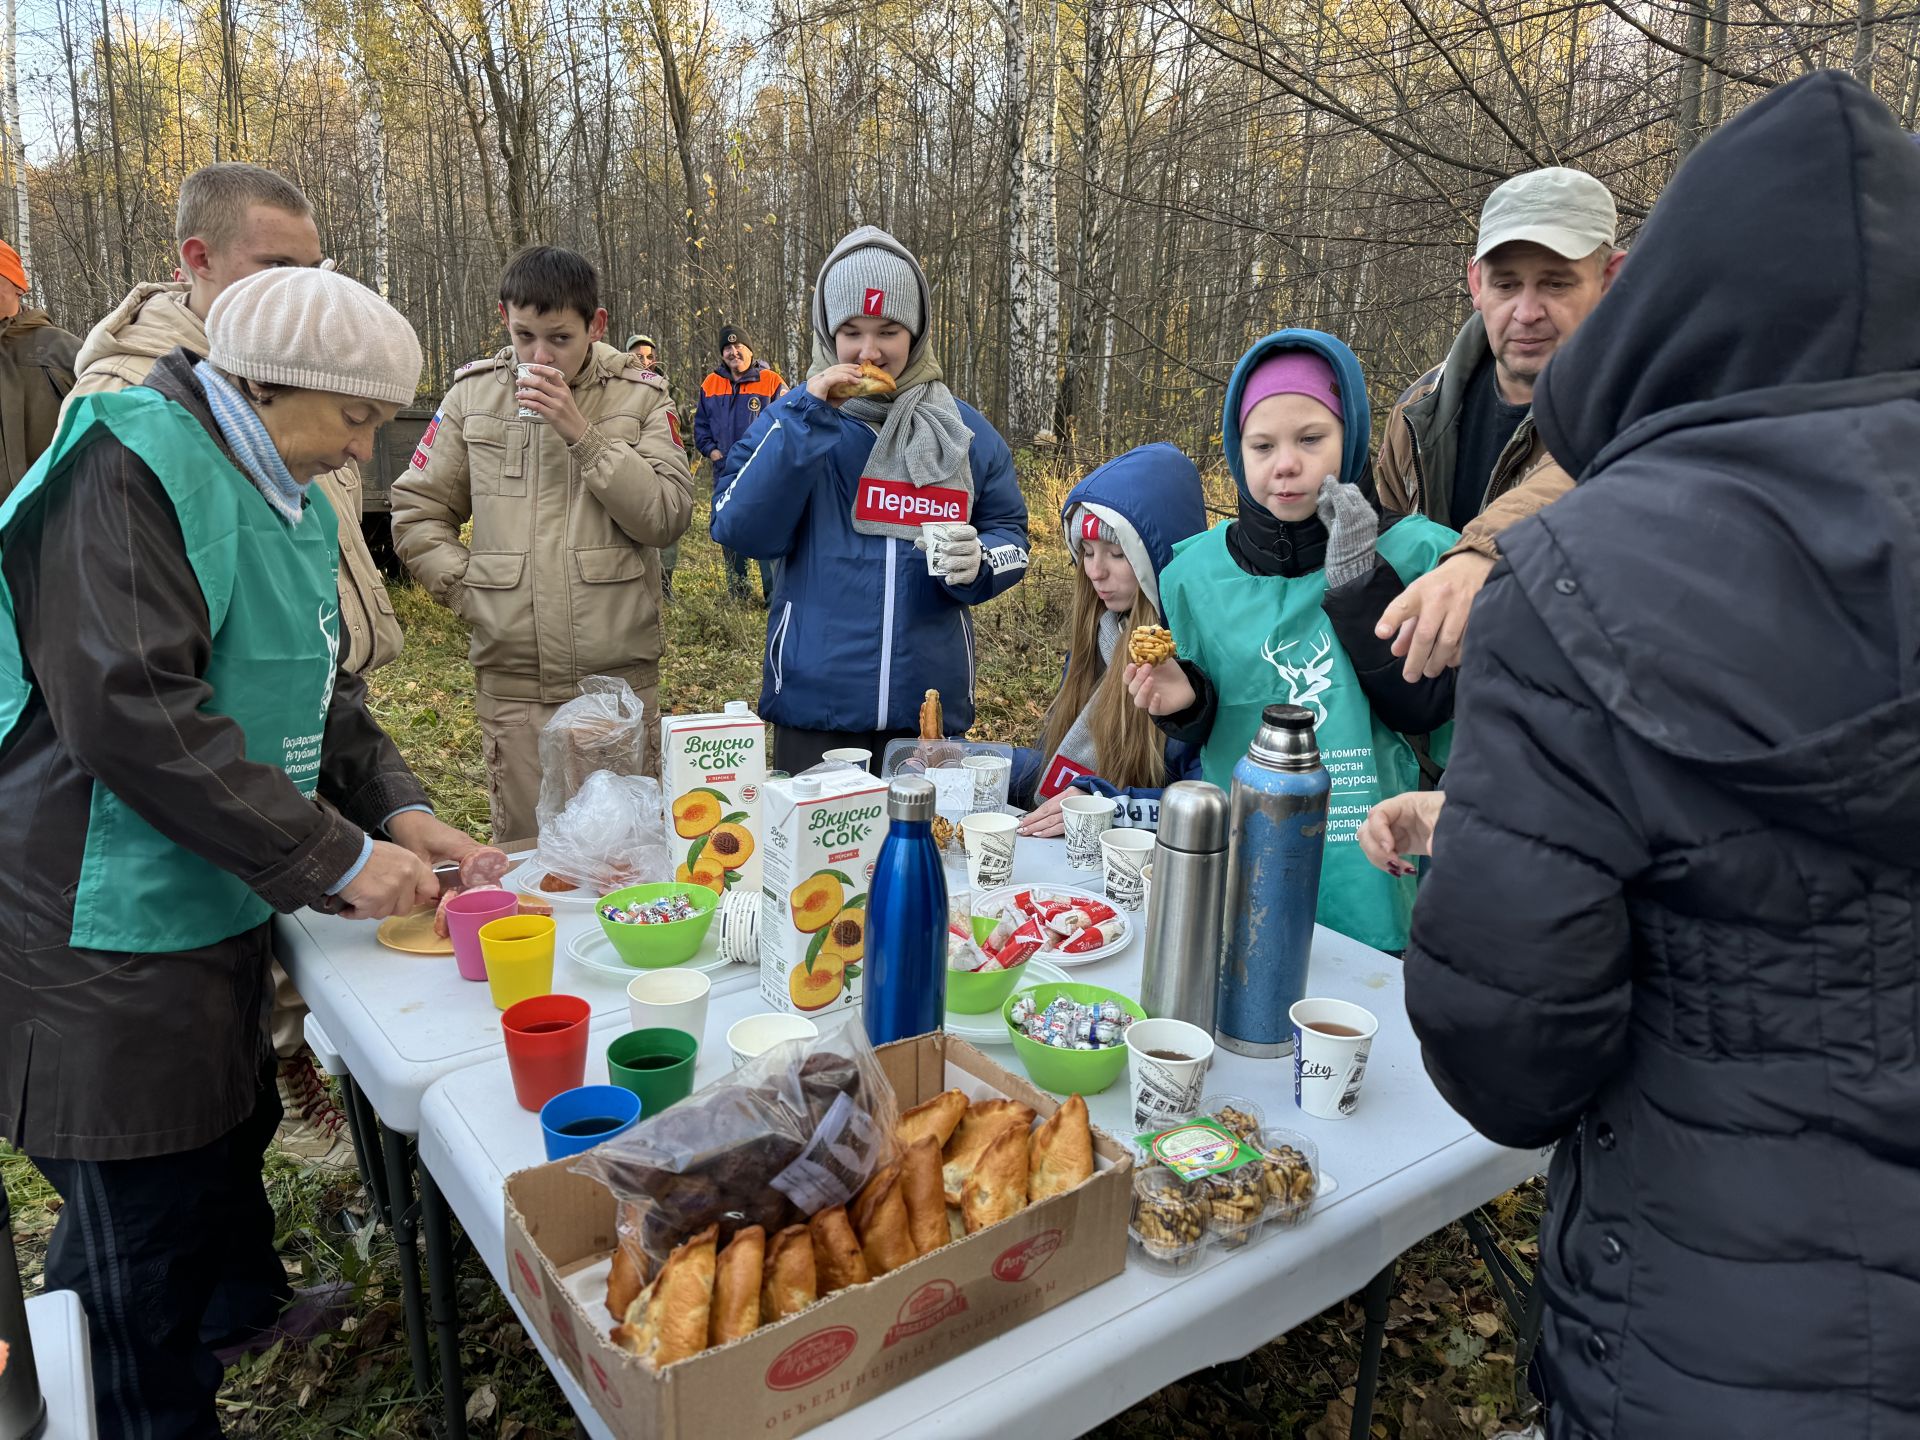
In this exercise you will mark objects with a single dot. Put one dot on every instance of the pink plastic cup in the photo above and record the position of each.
(466, 913)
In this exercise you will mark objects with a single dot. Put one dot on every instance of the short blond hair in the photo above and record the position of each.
(214, 201)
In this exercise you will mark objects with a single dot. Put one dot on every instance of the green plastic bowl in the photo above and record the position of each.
(1068, 1072)
(655, 947)
(974, 992)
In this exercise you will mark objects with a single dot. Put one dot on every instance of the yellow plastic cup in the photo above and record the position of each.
(519, 954)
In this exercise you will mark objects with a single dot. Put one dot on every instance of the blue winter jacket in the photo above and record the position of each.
(1156, 488)
(857, 630)
(728, 407)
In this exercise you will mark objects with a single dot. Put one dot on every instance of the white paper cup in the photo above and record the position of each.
(1086, 818)
(992, 774)
(936, 535)
(852, 755)
(1166, 1092)
(1124, 855)
(989, 839)
(752, 1037)
(524, 371)
(669, 1000)
(1328, 1067)
(1146, 888)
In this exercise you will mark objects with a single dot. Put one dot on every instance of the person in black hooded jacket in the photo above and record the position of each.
(1674, 911)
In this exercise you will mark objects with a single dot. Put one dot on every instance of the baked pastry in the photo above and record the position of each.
(556, 884)
(736, 1286)
(787, 1283)
(932, 723)
(926, 1201)
(978, 1129)
(624, 1282)
(1061, 1154)
(873, 381)
(669, 1320)
(937, 1117)
(997, 1187)
(880, 1220)
(1149, 644)
(837, 1260)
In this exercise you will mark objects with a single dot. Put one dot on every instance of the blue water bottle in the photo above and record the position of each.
(905, 982)
(1277, 835)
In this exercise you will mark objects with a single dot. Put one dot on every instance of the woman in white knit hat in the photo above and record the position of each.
(180, 757)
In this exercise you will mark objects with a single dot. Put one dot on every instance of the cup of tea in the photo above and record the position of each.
(1167, 1064)
(466, 913)
(989, 837)
(1331, 1039)
(655, 1064)
(1085, 818)
(576, 1120)
(546, 1046)
(669, 1000)
(519, 954)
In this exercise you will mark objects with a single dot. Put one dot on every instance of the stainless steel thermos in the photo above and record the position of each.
(1279, 826)
(1181, 978)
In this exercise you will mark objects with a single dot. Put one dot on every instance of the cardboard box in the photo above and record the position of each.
(823, 835)
(857, 1343)
(714, 768)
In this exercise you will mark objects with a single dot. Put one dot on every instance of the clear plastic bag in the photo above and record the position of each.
(793, 1132)
(602, 728)
(613, 833)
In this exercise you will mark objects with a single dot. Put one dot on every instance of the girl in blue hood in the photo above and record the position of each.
(1278, 605)
(1122, 522)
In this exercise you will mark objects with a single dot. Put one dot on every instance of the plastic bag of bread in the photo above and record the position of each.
(611, 834)
(791, 1133)
(604, 727)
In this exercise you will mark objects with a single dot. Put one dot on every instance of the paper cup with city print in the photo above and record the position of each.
(992, 774)
(989, 841)
(1331, 1039)
(1086, 818)
(1167, 1064)
(936, 534)
(1124, 854)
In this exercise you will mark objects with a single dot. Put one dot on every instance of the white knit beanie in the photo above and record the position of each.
(314, 330)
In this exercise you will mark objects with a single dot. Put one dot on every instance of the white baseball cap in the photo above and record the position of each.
(1568, 211)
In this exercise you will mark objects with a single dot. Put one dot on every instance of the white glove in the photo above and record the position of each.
(956, 555)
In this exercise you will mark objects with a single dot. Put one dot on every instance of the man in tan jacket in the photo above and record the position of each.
(1460, 444)
(232, 221)
(565, 454)
(36, 370)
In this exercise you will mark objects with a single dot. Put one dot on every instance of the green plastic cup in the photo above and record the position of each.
(656, 1065)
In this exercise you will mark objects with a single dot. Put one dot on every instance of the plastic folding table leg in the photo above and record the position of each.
(441, 1282)
(1374, 1299)
(399, 1164)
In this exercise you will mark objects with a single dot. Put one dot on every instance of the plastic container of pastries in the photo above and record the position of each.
(1168, 1225)
(1236, 1204)
(1290, 1164)
(1241, 1114)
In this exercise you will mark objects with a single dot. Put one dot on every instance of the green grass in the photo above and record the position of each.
(1448, 1370)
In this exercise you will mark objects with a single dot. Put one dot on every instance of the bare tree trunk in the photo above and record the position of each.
(110, 97)
(680, 112)
(1686, 124)
(16, 145)
(1043, 378)
(1863, 43)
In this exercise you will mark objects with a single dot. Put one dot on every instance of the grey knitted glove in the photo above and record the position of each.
(1352, 529)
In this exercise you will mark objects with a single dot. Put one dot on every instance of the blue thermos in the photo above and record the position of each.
(1277, 832)
(905, 982)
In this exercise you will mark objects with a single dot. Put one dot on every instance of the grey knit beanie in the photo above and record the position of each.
(873, 281)
(314, 330)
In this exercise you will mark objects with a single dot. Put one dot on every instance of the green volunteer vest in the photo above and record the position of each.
(1264, 640)
(270, 594)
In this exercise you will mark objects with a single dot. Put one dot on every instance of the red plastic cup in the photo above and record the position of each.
(466, 913)
(546, 1046)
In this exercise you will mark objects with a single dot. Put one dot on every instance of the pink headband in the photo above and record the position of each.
(1292, 372)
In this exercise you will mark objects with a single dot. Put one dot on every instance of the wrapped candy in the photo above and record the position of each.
(1066, 1024)
(651, 912)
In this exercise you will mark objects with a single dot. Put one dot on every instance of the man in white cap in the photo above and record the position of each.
(1460, 445)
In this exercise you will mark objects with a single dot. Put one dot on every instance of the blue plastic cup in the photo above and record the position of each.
(576, 1120)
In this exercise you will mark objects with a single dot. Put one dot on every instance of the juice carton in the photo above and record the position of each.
(823, 835)
(714, 768)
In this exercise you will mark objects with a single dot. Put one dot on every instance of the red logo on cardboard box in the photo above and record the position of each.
(899, 502)
(873, 302)
(1027, 1258)
(606, 1388)
(526, 1274)
(806, 1361)
(933, 1302)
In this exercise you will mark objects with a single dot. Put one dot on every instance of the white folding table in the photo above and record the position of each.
(57, 1325)
(1405, 1165)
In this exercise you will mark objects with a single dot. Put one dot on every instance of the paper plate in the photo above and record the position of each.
(592, 949)
(1116, 939)
(412, 933)
(990, 1029)
(526, 880)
